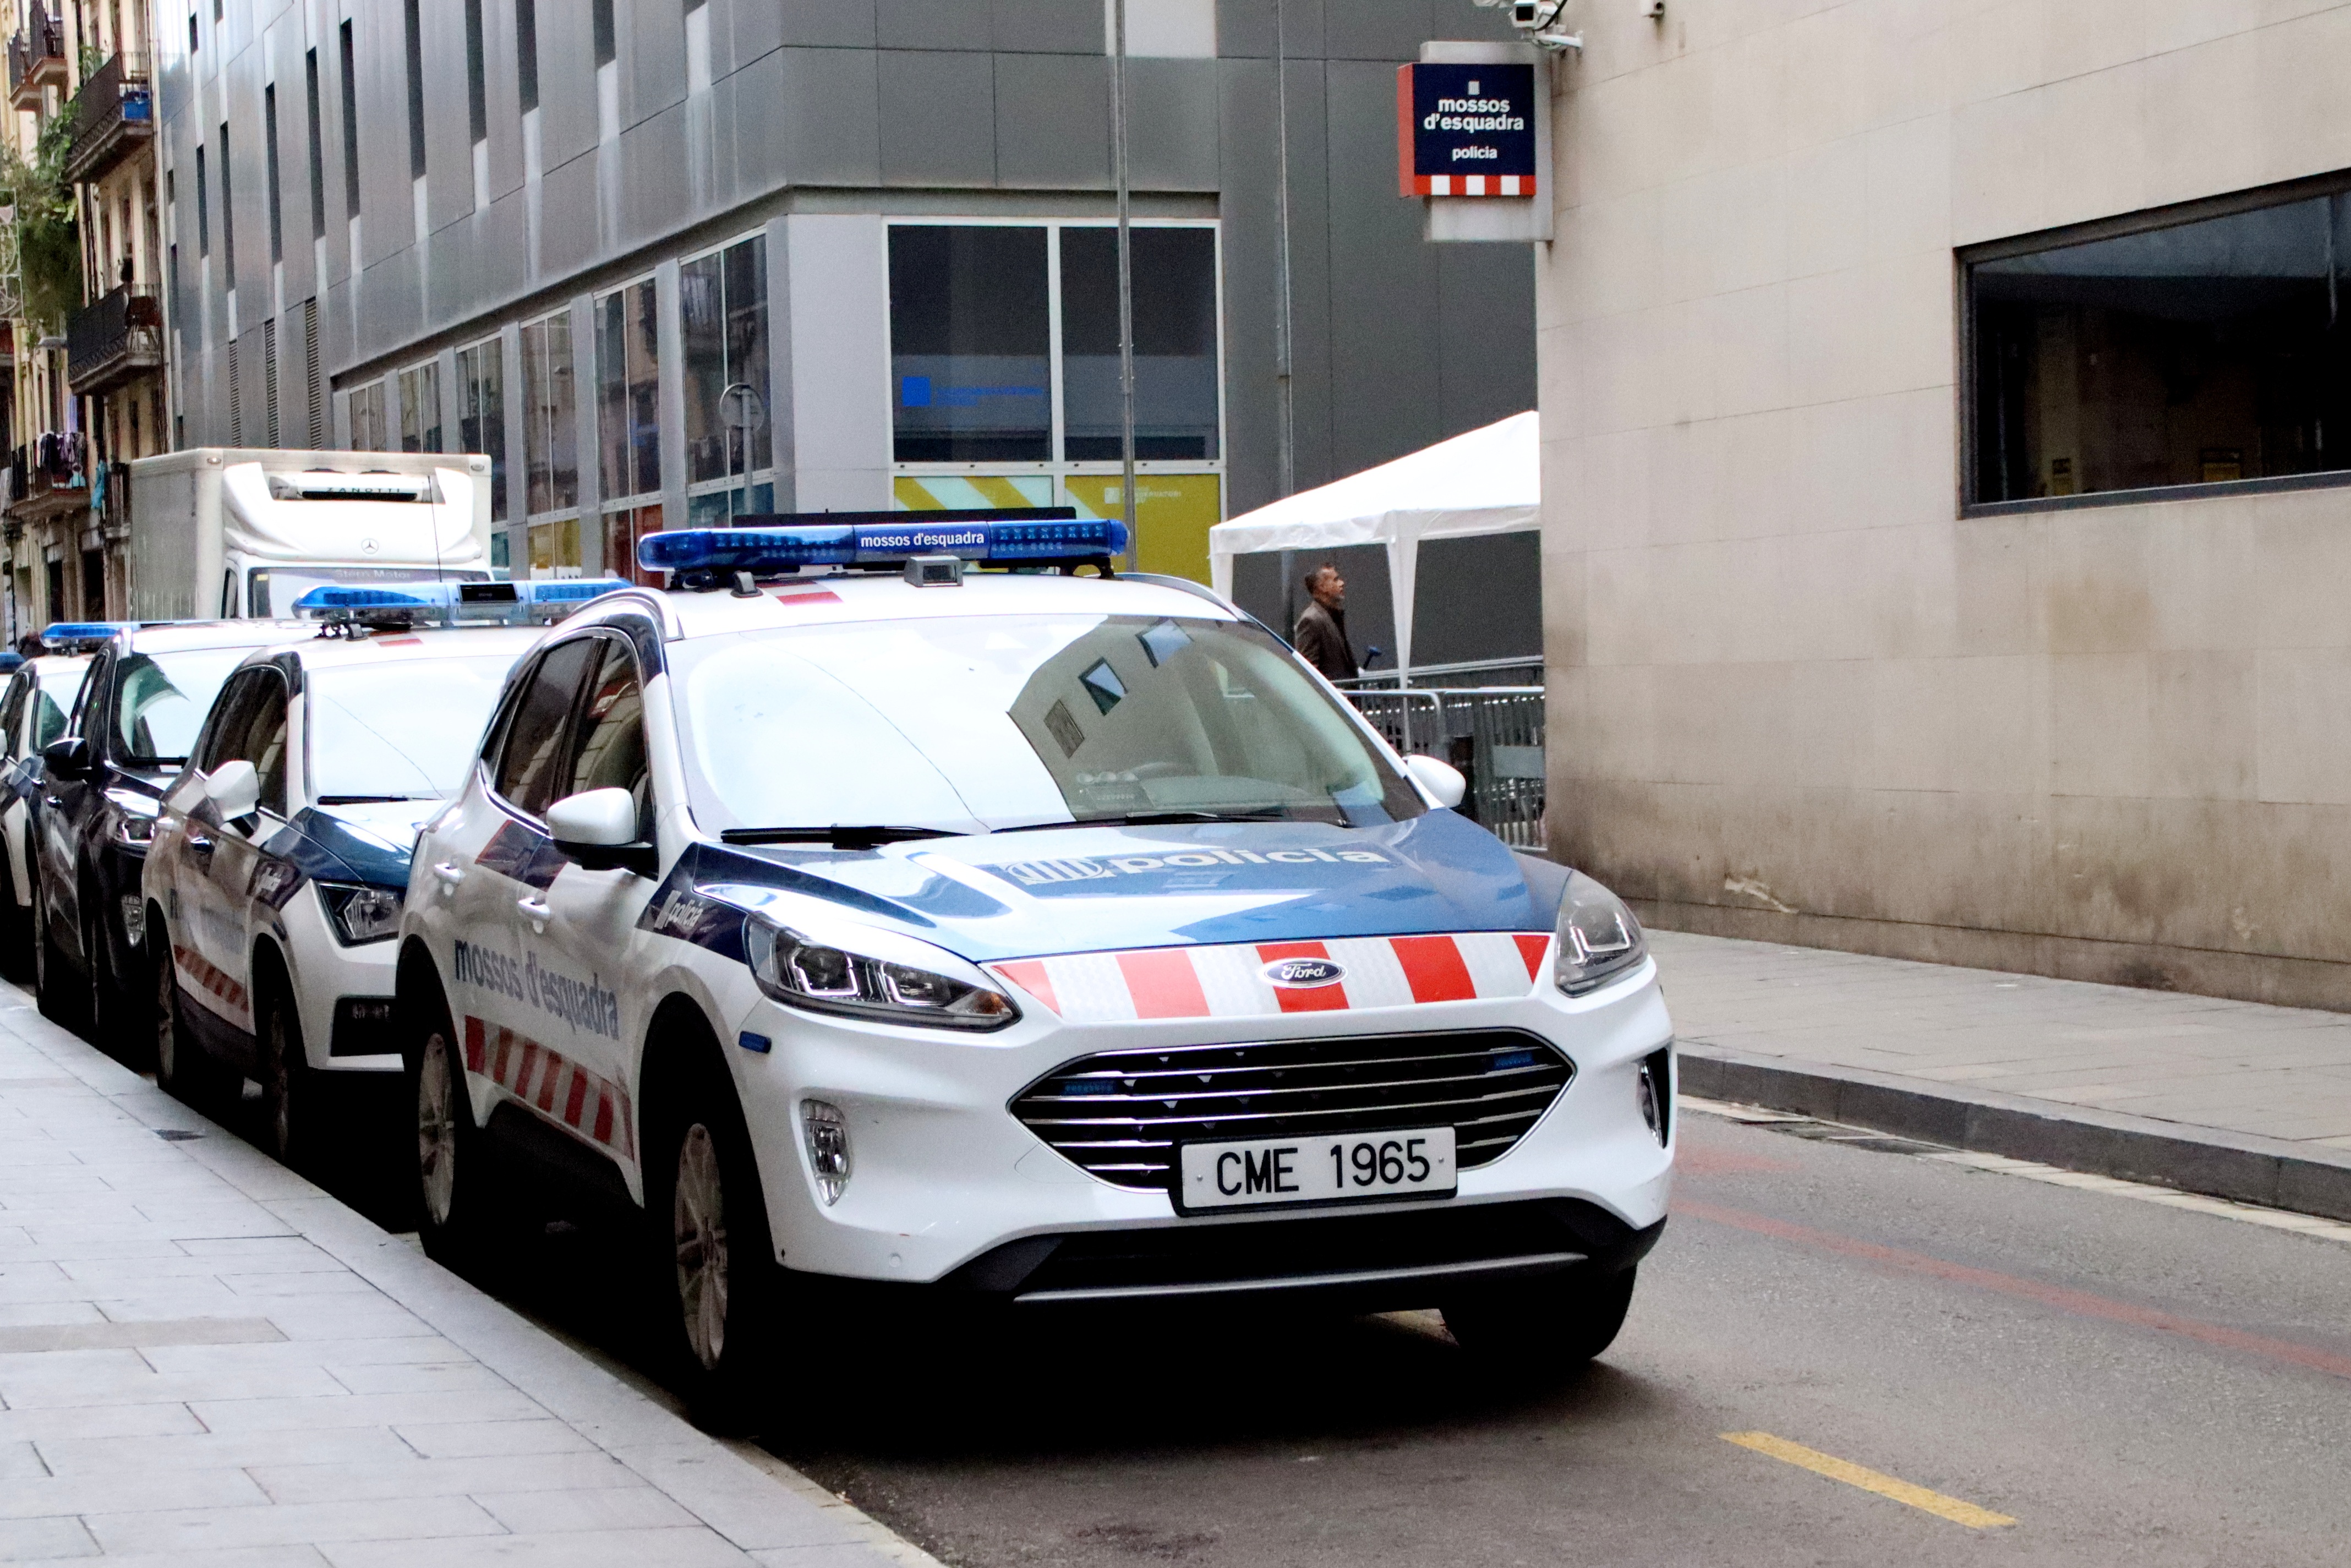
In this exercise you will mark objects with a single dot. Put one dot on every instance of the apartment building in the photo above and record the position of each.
(682, 260)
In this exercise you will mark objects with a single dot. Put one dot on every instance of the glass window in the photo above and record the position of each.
(531, 762)
(482, 413)
(404, 731)
(2195, 353)
(612, 754)
(420, 408)
(628, 391)
(722, 311)
(368, 432)
(551, 425)
(160, 701)
(1175, 390)
(1016, 721)
(60, 679)
(970, 344)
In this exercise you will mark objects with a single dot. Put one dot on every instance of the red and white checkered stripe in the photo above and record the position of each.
(215, 988)
(1230, 981)
(1474, 185)
(555, 1086)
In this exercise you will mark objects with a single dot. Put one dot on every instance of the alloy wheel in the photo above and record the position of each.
(698, 1213)
(280, 1095)
(436, 1129)
(167, 1044)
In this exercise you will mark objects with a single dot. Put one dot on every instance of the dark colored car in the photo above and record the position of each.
(130, 734)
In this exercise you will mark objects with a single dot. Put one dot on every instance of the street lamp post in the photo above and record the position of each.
(741, 408)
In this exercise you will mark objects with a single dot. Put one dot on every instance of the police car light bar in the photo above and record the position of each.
(68, 635)
(505, 604)
(1039, 536)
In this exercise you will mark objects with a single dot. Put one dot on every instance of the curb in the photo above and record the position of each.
(2243, 1166)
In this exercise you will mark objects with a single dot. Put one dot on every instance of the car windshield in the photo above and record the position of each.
(1011, 721)
(53, 693)
(162, 698)
(400, 731)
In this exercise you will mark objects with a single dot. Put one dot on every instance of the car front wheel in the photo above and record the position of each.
(451, 1183)
(182, 1070)
(1542, 1328)
(718, 1288)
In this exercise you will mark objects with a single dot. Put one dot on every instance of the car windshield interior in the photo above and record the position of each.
(160, 701)
(403, 731)
(995, 722)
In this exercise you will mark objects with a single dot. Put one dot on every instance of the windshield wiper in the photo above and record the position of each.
(840, 836)
(370, 800)
(1162, 819)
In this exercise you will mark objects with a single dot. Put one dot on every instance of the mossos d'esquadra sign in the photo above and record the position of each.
(1465, 129)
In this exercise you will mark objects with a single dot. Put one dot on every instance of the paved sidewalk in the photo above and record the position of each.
(2128, 1066)
(208, 1363)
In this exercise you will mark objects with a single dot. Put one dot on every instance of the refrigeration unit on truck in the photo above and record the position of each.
(238, 532)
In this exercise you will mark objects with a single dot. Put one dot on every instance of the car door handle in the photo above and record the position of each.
(536, 908)
(199, 843)
(53, 800)
(449, 872)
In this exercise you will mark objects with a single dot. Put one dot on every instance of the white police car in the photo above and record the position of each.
(1038, 939)
(280, 857)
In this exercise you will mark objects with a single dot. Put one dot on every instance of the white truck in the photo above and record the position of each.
(237, 532)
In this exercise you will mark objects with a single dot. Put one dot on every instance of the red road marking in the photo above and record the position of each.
(1434, 969)
(2082, 1303)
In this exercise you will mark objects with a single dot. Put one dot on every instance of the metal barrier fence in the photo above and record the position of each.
(1494, 735)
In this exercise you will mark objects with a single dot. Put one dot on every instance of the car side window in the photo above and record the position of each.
(12, 714)
(531, 761)
(224, 729)
(612, 749)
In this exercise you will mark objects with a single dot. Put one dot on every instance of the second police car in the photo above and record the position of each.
(280, 857)
(33, 709)
(1044, 939)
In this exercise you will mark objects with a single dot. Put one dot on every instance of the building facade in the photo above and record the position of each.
(79, 259)
(1946, 416)
(679, 260)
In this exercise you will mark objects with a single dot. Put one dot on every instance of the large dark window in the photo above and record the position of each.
(2189, 352)
(415, 38)
(970, 344)
(1175, 273)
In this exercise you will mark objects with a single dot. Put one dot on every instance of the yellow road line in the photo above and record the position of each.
(1867, 1480)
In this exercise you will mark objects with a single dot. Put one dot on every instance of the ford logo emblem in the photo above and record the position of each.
(1299, 973)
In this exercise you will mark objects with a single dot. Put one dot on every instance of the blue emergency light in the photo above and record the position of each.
(427, 601)
(65, 635)
(1030, 536)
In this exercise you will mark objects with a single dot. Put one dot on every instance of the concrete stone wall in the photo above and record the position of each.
(1795, 695)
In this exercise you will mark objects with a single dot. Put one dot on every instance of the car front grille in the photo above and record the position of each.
(1120, 1113)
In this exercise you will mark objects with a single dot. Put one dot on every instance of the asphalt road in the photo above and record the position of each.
(2127, 1382)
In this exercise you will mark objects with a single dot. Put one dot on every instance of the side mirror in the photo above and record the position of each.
(598, 828)
(66, 759)
(235, 788)
(1441, 780)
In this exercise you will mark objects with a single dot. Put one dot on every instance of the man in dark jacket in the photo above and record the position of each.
(1320, 635)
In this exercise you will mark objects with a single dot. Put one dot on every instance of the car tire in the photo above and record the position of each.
(61, 999)
(717, 1290)
(453, 1195)
(291, 1114)
(183, 1069)
(1543, 1328)
(15, 927)
(114, 1025)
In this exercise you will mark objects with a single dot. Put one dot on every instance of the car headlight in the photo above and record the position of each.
(134, 818)
(360, 912)
(1598, 938)
(892, 980)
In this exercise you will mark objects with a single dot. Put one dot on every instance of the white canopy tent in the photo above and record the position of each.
(1488, 481)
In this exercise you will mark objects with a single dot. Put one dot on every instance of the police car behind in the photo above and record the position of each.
(280, 858)
(147, 692)
(1043, 939)
(33, 709)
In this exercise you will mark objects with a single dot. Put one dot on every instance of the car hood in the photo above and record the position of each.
(369, 842)
(990, 897)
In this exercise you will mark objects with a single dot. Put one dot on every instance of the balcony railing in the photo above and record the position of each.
(36, 57)
(46, 474)
(114, 114)
(119, 337)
